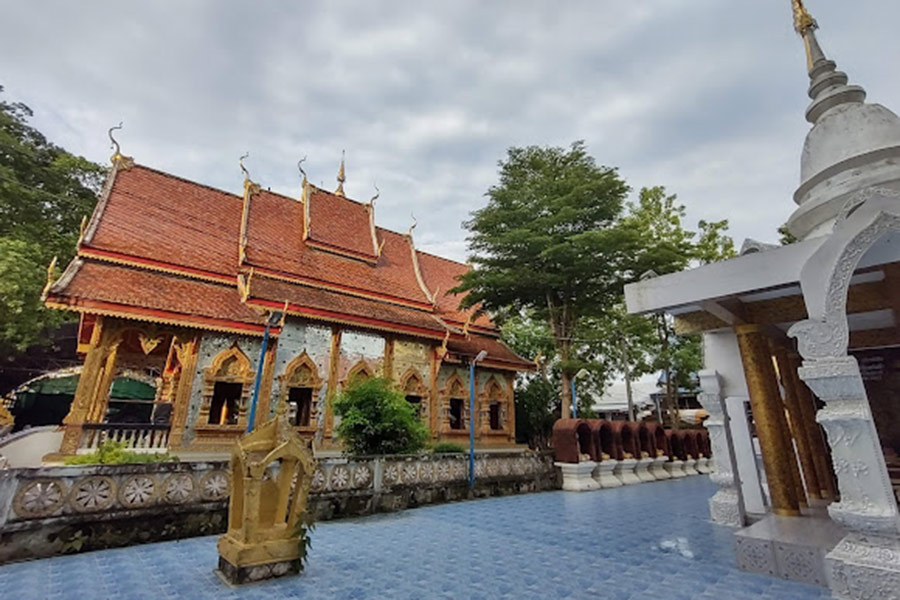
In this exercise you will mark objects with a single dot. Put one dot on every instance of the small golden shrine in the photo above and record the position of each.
(271, 474)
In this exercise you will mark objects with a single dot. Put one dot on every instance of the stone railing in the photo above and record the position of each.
(57, 510)
(135, 436)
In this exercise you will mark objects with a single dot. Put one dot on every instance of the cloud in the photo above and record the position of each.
(702, 96)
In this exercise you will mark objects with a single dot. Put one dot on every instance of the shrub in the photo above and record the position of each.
(377, 419)
(449, 448)
(114, 453)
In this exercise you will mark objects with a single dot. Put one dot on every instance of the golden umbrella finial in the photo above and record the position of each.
(803, 21)
(341, 177)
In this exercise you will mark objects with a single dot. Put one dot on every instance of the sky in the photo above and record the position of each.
(705, 97)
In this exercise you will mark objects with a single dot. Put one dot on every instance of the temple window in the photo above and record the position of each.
(493, 405)
(300, 385)
(454, 404)
(456, 413)
(416, 403)
(360, 372)
(226, 389)
(416, 393)
(495, 416)
(300, 400)
(224, 406)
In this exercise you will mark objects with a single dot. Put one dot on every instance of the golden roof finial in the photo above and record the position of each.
(243, 168)
(250, 188)
(302, 172)
(803, 21)
(341, 177)
(376, 196)
(118, 159)
(413, 226)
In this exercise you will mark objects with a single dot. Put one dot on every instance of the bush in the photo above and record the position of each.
(377, 419)
(449, 448)
(114, 453)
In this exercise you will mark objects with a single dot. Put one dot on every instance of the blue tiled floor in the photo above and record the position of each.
(610, 544)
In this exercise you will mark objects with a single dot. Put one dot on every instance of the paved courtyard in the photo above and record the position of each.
(643, 541)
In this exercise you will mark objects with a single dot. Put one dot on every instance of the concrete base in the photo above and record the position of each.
(642, 469)
(603, 474)
(702, 466)
(658, 468)
(690, 467)
(791, 548)
(625, 471)
(865, 566)
(577, 477)
(234, 575)
(675, 469)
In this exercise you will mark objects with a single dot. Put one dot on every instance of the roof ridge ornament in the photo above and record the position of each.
(118, 159)
(415, 222)
(302, 172)
(341, 177)
(376, 196)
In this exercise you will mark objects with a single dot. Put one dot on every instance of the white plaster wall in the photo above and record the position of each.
(298, 337)
(211, 344)
(356, 345)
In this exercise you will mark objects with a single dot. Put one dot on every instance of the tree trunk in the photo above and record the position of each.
(671, 407)
(561, 326)
(627, 374)
(565, 381)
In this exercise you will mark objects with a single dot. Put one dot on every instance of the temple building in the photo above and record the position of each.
(803, 338)
(178, 281)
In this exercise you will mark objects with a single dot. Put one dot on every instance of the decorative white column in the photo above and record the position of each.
(866, 563)
(724, 505)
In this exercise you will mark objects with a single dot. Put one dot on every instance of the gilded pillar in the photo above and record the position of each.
(334, 361)
(768, 414)
(265, 388)
(510, 425)
(435, 414)
(814, 435)
(388, 367)
(186, 350)
(103, 339)
(798, 424)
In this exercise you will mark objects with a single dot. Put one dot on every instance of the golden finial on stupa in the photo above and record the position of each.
(803, 21)
(341, 177)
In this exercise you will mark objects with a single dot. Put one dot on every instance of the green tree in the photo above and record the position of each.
(785, 236)
(547, 241)
(377, 419)
(44, 194)
(648, 344)
(537, 407)
(713, 244)
(22, 316)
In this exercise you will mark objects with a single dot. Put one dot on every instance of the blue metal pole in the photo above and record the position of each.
(574, 401)
(472, 424)
(259, 370)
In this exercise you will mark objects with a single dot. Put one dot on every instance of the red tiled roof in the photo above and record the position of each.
(497, 351)
(340, 223)
(365, 312)
(174, 245)
(153, 215)
(275, 242)
(115, 288)
(442, 275)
